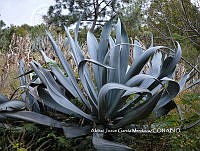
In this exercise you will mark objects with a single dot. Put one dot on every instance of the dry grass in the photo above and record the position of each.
(8, 83)
(21, 48)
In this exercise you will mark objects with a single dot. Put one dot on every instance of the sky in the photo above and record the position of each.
(18, 12)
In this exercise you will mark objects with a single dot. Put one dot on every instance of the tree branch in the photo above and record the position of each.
(107, 4)
(188, 21)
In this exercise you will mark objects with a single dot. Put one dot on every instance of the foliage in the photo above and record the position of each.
(7, 33)
(176, 20)
(133, 16)
(5, 39)
(171, 16)
(190, 52)
(2, 24)
(93, 11)
(106, 105)
(36, 33)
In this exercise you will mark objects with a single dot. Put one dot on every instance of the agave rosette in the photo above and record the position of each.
(106, 94)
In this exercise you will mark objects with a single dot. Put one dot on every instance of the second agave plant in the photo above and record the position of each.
(106, 86)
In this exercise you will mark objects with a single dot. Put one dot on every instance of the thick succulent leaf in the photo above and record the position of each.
(62, 59)
(119, 54)
(139, 112)
(12, 105)
(146, 79)
(153, 87)
(103, 103)
(48, 101)
(148, 82)
(154, 70)
(164, 110)
(35, 107)
(65, 81)
(66, 43)
(25, 73)
(62, 100)
(125, 53)
(77, 29)
(127, 106)
(155, 64)
(158, 87)
(138, 64)
(101, 144)
(111, 42)
(106, 29)
(92, 49)
(118, 30)
(138, 79)
(137, 50)
(47, 59)
(35, 67)
(85, 80)
(165, 100)
(13, 94)
(166, 69)
(35, 80)
(115, 62)
(177, 57)
(72, 131)
(56, 94)
(151, 39)
(114, 76)
(67, 69)
(45, 73)
(105, 72)
(77, 54)
(103, 47)
(89, 80)
(183, 81)
(92, 45)
(33, 117)
(166, 103)
(92, 95)
(32, 103)
(171, 91)
(170, 63)
(22, 71)
(33, 92)
(3, 99)
(115, 56)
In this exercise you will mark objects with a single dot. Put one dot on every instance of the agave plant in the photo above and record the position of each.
(106, 86)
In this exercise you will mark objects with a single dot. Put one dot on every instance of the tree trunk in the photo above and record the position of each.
(96, 7)
(93, 25)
